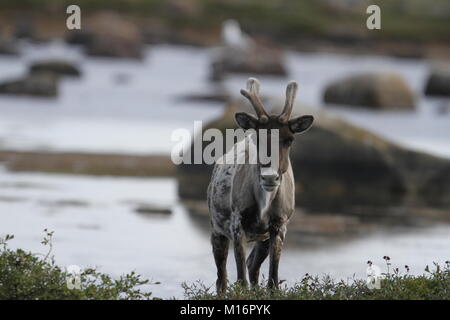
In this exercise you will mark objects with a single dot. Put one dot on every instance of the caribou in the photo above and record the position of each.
(253, 202)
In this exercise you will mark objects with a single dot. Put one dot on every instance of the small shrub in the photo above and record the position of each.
(433, 285)
(24, 275)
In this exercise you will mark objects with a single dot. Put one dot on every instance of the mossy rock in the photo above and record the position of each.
(107, 34)
(371, 90)
(58, 67)
(42, 84)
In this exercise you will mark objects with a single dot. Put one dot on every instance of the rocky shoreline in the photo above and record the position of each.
(89, 163)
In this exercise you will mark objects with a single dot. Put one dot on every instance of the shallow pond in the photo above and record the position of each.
(132, 107)
(96, 224)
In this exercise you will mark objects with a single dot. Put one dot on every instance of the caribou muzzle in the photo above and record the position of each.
(269, 179)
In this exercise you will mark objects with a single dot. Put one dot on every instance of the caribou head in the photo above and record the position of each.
(270, 175)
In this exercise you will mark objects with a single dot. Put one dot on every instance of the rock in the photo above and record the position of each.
(376, 91)
(8, 47)
(340, 168)
(208, 97)
(438, 83)
(215, 94)
(256, 60)
(436, 190)
(42, 84)
(57, 67)
(109, 35)
(147, 209)
(12, 199)
(79, 37)
(65, 203)
(122, 78)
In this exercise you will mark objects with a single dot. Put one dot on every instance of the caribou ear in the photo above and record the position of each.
(301, 124)
(245, 120)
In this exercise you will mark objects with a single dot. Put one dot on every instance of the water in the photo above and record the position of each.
(94, 218)
(95, 224)
(98, 113)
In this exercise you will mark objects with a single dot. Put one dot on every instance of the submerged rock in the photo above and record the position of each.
(377, 91)
(341, 168)
(213, 94)
(149, 209)
(65, 203)
(438, 83)
(57, 67)
(42, 79)
(43, 84)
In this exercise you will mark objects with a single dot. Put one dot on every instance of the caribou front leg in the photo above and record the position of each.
(239, 252)
(220, 251)
(276, 244)
(256, 258)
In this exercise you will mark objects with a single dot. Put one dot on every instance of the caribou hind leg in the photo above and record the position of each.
(220, 251)
(255, 259)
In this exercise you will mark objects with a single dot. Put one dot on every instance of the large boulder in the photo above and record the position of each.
(57, 67)
(256, 60)
(372, 90)
(340, 168)
(438, 83)
(107, 34)
(42, 84)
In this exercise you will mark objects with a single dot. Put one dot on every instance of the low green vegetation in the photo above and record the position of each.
(401, 19)
(29, 276)
(26, 275)
(434, 284)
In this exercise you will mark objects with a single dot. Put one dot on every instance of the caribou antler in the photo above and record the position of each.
(291, 92)
(252, 94)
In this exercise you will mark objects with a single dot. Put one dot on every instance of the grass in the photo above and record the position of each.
(432, 285)
(30, 276)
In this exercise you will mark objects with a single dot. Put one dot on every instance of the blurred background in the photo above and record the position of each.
(86, 118)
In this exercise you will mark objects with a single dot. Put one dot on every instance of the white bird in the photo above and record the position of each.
(232, 35)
